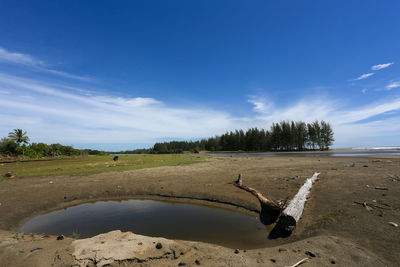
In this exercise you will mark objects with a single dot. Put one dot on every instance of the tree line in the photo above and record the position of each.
(17, 144)
(282, 136)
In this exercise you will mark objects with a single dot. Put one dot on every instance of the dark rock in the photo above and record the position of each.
(158, 246)
(60, 237)
(365, 166)
(236, 251)
(309, 253)
(197, 262)
(282, 249)
(115, 158)
(273, 260)
(332, 261)
(181, 264)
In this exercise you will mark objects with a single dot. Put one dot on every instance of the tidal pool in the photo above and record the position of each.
(157, 219)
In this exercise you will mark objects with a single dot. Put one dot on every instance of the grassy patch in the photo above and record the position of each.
(94, 164)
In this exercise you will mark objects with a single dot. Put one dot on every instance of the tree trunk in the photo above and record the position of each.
(291, 215)
(270, 210)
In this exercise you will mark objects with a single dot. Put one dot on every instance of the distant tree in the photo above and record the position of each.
(8, 147)
(326, 135)
(19, 136)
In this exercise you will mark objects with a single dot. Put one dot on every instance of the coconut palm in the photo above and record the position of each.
(19, 136)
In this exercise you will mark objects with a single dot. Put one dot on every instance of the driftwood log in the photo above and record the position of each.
(291, 215)
(270, 210)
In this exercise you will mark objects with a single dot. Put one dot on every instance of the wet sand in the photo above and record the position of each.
(333, 227)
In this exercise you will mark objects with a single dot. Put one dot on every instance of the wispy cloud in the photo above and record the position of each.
(392, 85)
(35, 64)
(364, 90)
(364, 76)
(19, 58)
(381, 66)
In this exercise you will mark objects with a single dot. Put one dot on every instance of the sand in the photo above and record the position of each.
(335, 229)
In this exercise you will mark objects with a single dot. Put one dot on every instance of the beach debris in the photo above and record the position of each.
(9, 175)
(60, 237)
(158, 245)
(50, 182)
(393, 224)
(34, 249)
(352, 164)
(119, 187)
(292, 213)
(239, 180)
(309, 253)
(298, 263)
(381, 188)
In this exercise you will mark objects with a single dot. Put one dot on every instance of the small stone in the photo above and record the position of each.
(236, 251)
(140, 243)
(60, 237)
(197, 262)
(282, 249)
(309, 253)
(332, 261)
(158, 246)
(182, 253)
(273, 260)
(50, 182)
(365, 166)
(181, 264)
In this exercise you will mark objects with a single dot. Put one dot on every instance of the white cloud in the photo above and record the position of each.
(364, 76)
(381, 66)
(392, 85)
(364, 90)
(18, 58)
(52, 112)
(82, 118)
(35, 64)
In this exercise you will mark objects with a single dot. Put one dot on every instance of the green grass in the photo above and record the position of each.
(93, 164)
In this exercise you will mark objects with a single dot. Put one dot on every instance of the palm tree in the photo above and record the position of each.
(19, 136)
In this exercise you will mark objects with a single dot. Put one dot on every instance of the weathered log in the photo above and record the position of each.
(270, 210)
(291, 215)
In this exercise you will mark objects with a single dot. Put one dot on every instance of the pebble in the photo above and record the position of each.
(158, 246)
(181, 264)
(273, 260)
(197, 262)
(60, 237)
(236, 251)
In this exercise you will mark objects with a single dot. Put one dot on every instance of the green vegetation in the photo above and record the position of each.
(15, 145)
(93, 164)
(283, 136)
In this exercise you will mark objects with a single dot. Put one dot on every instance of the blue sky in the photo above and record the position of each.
(124, 74)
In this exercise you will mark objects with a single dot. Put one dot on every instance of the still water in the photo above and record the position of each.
(157, 219)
